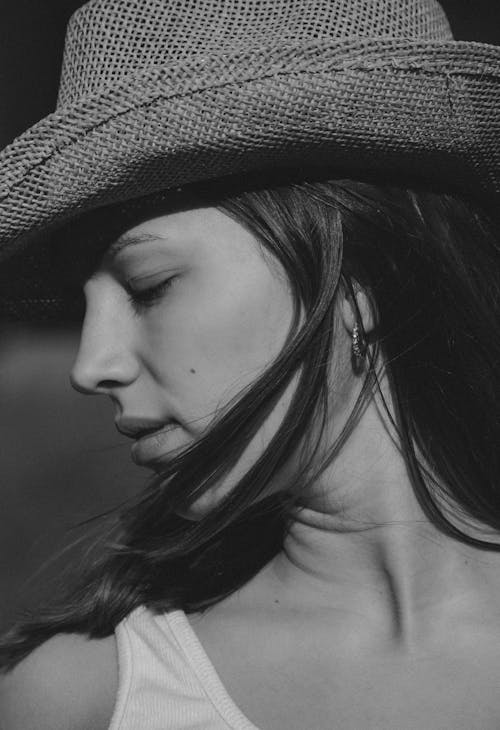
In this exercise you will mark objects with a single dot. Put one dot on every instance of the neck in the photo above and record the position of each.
(363, 549)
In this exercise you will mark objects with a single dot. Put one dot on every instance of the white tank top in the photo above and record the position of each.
(166, 680)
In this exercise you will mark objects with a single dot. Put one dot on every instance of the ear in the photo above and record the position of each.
(354, 309)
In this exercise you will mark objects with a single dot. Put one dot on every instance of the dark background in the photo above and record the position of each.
(61, 459)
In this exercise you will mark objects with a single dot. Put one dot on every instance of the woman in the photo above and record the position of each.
(290, 258)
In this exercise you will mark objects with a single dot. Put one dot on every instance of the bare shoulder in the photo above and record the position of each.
(69, 682)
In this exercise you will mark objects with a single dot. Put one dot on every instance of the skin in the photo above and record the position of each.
(218, 325)
(369, 617)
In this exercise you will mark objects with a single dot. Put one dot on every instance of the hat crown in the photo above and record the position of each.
(109, 40)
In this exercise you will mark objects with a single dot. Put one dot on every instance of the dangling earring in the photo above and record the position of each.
(358, 346)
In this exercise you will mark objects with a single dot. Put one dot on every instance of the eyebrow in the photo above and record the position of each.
(132, 239)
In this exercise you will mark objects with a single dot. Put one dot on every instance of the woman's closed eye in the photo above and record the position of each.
(144, 298)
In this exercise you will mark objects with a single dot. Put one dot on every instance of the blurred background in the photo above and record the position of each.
(61, 459)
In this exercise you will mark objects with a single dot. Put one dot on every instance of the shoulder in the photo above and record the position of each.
(69, 682)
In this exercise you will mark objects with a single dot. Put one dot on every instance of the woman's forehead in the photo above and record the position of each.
(80, 245)
(180, 231)
(197, 230)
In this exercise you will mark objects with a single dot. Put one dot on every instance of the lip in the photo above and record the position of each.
(157, 446)
(137, 428)
(149, 434)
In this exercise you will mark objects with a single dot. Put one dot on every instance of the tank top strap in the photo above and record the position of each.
(166, 680)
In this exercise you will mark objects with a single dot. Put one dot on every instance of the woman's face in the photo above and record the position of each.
(182, 313)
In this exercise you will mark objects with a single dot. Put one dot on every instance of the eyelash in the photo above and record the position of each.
(147, 297)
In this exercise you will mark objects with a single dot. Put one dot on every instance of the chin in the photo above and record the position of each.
(201, 507)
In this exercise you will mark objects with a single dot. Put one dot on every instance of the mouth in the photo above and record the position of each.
(152, 447)
(138, 429)
(148, 432)
(155, 442)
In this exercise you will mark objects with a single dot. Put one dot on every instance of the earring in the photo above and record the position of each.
(358, 344)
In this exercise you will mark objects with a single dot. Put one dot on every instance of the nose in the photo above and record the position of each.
(105, 359)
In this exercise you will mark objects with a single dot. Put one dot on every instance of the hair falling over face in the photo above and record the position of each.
(430, 264)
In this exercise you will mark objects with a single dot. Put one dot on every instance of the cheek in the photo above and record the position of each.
(253, 451)
(226, 338)
(240, 334)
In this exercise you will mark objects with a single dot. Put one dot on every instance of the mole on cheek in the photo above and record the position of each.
(192, 370)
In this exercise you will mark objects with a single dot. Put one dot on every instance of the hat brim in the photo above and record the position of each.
(426, 109)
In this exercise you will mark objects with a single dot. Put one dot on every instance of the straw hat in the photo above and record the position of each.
(156, 94)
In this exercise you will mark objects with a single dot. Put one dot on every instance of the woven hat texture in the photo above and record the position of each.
(157, 94)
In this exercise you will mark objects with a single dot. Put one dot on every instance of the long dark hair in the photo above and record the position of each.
(430, 263)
